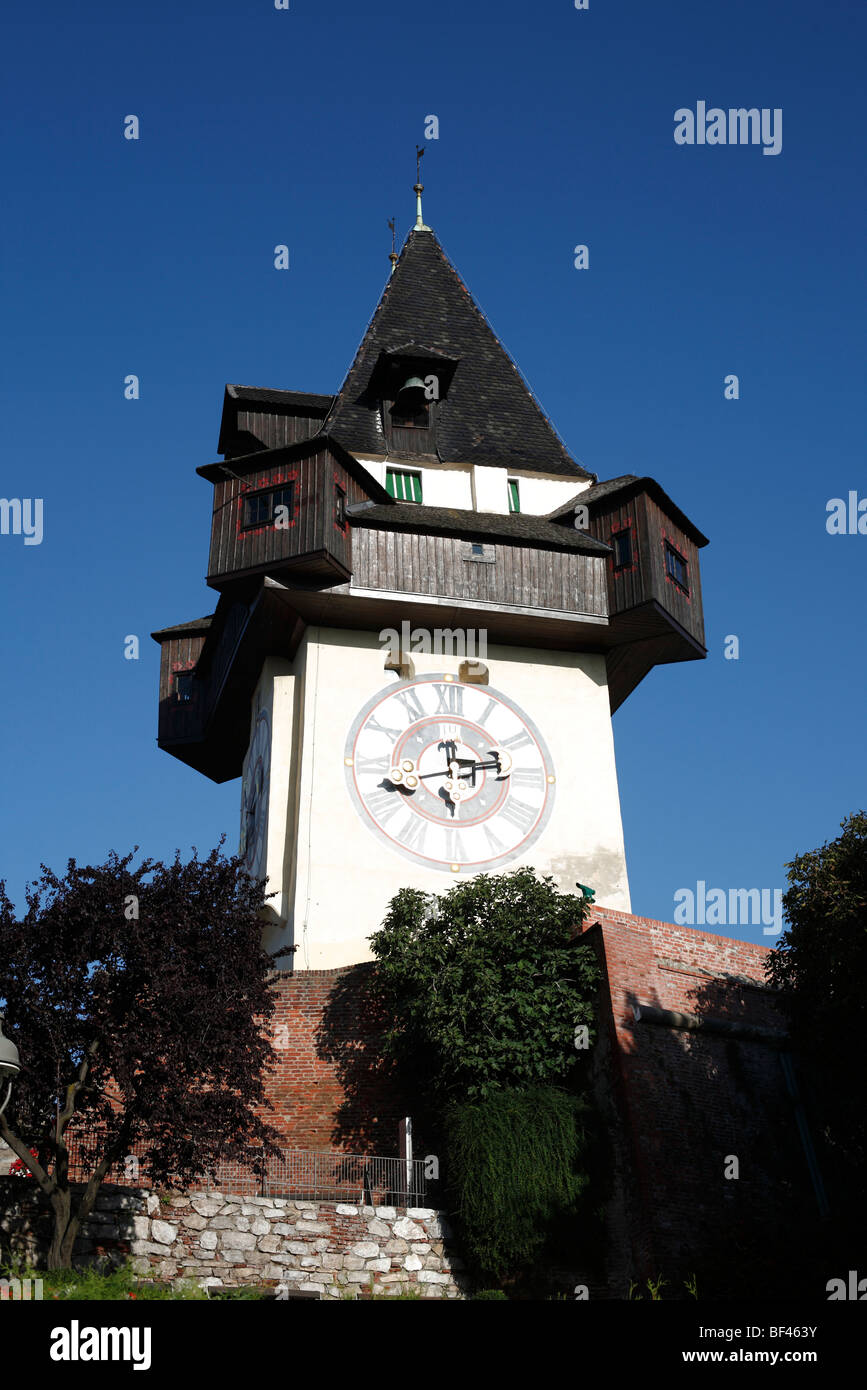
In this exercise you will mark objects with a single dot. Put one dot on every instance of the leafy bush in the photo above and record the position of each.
(514, 1165)
(487, 985)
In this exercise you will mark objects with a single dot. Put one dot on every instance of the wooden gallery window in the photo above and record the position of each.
(260, 508)
(514, 495)
(676, 567)
(339, 507)
(184, 686)
(403, 487)
(622, 542)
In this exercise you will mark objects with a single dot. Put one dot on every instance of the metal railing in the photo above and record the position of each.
(294, 1173)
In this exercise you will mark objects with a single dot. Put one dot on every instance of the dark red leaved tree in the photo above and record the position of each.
(139, 999)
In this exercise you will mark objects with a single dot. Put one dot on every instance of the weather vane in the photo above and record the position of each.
(393, 257)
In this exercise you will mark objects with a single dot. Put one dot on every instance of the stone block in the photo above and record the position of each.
(378, 1228)
(312, 1288)
(153, 1202)
(270, 1243)
(409, 1230)
(343, 1210)
(163, 1233)
(352, 1262)
(193, 1222)
(420, 1247)
(238, 1240)
(313, 1228)
(260, 1227)
(396, 1247)
(412, 1262)
(358, 1276)
(328, 1261)
(206, 1206)
(421, 1213)
(366, 1249)
(430, 1276)
(387, 1213)
(282, 1228)
(381, 1266)
(208, 1240)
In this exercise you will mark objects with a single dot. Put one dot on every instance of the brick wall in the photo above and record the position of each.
(331, 1088)
(678, 1104)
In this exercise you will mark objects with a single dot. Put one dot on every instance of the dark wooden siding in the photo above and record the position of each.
(523, 576)
(276, 428)
(313, 531)
(685, 608)
(180, 719)
(627, 587)
(646, 577)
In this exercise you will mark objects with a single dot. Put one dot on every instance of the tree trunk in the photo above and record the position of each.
(59, 1256)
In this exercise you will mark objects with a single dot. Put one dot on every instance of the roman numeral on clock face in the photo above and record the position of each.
(412, 833)
(455, 851)
(519, 740)
(451, 699)
(378, 728)
(373, 764)
(411, 703)
(528, 777)
(382, 804)
(518, 813)
(497, 846)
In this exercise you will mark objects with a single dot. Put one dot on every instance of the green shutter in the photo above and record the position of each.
(514, 500)
(403, 487)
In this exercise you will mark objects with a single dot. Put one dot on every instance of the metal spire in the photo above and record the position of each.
(393, 257)
(418, 190)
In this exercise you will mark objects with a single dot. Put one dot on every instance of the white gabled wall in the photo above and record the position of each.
(482, 487)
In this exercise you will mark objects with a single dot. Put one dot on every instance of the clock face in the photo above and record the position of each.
(454, 777)
(254, 798)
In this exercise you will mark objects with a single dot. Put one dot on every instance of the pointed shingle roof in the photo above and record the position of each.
(489, 415)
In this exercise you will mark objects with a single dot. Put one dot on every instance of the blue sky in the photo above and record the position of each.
(259, 127)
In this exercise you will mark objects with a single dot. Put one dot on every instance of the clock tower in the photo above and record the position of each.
(427, 614)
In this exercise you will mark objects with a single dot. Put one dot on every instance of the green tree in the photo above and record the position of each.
(820, 966)
(489, 989)
(139, 999)
(487, 984)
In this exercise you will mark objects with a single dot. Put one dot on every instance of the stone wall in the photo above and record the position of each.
(326, 1248)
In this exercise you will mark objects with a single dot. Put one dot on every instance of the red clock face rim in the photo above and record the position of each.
(470, 867)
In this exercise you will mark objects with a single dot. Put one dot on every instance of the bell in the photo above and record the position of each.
(10, 1064)
(412, 393)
